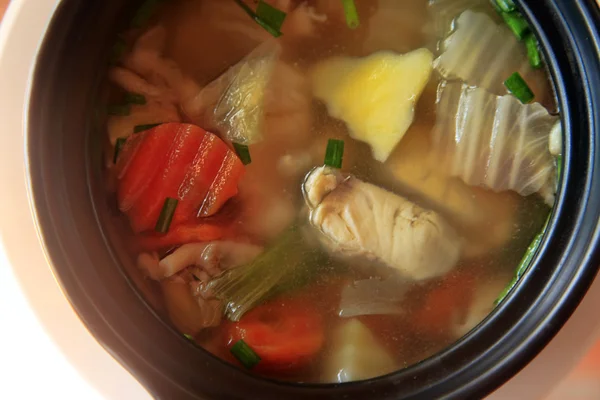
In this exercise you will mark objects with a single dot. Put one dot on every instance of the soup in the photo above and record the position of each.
(330, 191)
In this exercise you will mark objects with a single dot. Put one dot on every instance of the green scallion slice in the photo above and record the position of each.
(243, 153)
(559, 167)
(271, 15)
(245, 354)
(505, 5)
(533, 51)
(144, 13)
(352, 19)
(166, 215)
(518, 87)
(189, 337)
(119, 109)
(118, 147)
(265, 24)
(141, 128)
(334, 153)
(134, 98)
(517, 24)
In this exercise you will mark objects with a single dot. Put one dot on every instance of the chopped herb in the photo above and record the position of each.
(144, 13)
(166, 215)
(517, 24)
(265, 24)
(518, 87)
(352, 19)
(533, 52)
(190, 337)
(118, 49)
(141, 128)
(273, 16)
(134, 98)
(334, 153)
(118, 146)
(245, 354)
(505, 5)
(119, 109)
(523, 265)
(243, 153)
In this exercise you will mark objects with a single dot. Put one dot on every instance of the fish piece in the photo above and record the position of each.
(360, 219)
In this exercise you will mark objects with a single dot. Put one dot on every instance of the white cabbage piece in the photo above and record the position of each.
(444, 12)
(234, 102)
(484, 54)
(373, 296)
(495, 141)
(356, 355)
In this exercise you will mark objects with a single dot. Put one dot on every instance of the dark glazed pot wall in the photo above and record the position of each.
(65, 162)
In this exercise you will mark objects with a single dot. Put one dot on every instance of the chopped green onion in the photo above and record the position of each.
(141, 128)
(518, 87)
(166, 215)
(144, 13)
(245, 354)
(352, 19)
(334, 153)
(523, 265)
(118, 49)
(266, 26)
(134, 98)
(517, 24)
(505, 5)
(533, 52)
(243, 153)
(118, 146)
(559, 166)
(273, 16)
(190, 337)
(119, 109)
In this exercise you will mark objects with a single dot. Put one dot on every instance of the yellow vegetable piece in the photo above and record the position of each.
(374, 95)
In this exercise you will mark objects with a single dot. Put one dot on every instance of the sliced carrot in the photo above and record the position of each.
(180, 161)
(141, 159)
(285, 334)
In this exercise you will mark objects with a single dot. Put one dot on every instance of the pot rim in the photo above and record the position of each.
(545, 297)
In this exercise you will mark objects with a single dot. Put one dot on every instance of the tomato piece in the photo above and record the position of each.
(143, 155)
(285, 334)
(200, 176)
(445, 304)
(224, 185)
(183, 149)
(180, 161)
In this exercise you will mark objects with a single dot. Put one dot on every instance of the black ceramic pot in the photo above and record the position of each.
(65, 168)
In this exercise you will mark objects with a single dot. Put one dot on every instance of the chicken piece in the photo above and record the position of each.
(212, 258)
(146, 60)
(188, 313)
(357, 218)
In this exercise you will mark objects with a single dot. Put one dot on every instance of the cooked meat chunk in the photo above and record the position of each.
(358, 218)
